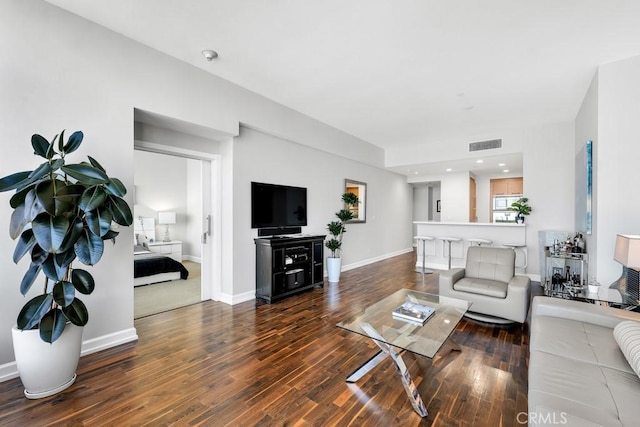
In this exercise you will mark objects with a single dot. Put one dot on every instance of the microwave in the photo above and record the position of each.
(502, 203)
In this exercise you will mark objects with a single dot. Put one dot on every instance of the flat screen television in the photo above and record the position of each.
(275, 206)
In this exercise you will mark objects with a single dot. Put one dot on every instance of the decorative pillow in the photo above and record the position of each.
(627, 335)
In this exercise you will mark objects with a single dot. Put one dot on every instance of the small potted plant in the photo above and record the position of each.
(336, 230)
(62, 213)
(521, 206)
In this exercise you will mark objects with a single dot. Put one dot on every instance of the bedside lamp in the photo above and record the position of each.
(627, 253)
(166, 218)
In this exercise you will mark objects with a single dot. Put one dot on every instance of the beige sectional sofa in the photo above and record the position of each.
(579, 373)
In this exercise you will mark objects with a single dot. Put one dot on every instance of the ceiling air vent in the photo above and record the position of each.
(485, 145)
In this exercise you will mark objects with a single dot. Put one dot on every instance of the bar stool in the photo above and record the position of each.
(449, 240)
(521, 247)
(423, 239)
(480, 242)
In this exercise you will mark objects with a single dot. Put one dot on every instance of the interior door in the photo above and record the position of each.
(473, 217)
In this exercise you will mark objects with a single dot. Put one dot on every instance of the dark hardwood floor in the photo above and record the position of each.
(285, 364)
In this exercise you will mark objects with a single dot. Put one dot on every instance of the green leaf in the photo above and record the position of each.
(344, 215)
(13, 181)
(95, 164)
(89, 248)
(67, 196)
(18, 221)
(52, 325)
(41, 171)
(77, 313)
(34, 310)
(64, 259)
(92, 198)
(26, 242)
(83, 281)
(73, 143)
(32, 206)
(29, 277)
(53, 270)
(111, 235)
(121, 212)
(51, 150)
(99, 221)
(63, 293)
(75, 231)
(86, 174)
(44, 194)
(61, 141)
(50, 231)
(18, 198)
(116, 187)
(38, 255)
(40, 145)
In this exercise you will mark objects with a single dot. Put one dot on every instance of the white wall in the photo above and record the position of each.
(60, 71)
(587, 129)
(616, 158)
(548, 176)
(193, 249)
(265, 158)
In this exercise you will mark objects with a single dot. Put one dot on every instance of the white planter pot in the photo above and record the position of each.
(333, 269)
(46, 369)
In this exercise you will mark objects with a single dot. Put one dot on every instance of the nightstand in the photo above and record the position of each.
(172, 249)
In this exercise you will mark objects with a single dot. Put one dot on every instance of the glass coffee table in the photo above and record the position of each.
(393, 335)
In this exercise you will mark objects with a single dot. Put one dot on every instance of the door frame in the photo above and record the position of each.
(211, 286)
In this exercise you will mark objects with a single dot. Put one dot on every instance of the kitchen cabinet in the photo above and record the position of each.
(507, 186)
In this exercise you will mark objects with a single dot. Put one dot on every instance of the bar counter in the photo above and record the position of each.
(436, 250)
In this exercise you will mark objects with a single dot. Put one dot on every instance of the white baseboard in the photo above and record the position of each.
(9, 370)
(107, 341)
(237, 299)
(373, 260)
(192, 258)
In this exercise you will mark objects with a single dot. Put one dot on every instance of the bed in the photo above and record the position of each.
(150, 267)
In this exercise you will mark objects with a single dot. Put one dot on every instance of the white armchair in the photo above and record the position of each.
(489, 282)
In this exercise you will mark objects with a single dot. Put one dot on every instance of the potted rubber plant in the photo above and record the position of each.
(62, 213)
(336, 230)
(522, 207)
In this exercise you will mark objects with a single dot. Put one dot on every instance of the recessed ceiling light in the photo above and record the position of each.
(416, 173)
(479, 161)
(448, 169)
(502, 164)
(505, 170)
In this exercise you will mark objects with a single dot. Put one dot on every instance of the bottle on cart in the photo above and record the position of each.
(581, 244)
(567, 276)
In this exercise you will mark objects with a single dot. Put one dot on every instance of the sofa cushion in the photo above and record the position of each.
(627, 335)
(486, 287)
(603, 395)
(488, 263)
(579, 341)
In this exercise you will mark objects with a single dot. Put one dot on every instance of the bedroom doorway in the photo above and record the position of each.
(180, 185)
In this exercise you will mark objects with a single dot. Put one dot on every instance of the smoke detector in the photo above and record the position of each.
(209, 54)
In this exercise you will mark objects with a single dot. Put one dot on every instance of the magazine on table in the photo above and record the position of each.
(414, 312)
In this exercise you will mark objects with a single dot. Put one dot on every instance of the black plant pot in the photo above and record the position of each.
(520, 219)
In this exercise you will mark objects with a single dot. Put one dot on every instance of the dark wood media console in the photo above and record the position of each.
(288, 265)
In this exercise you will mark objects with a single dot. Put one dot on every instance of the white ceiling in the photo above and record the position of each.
(393, 73)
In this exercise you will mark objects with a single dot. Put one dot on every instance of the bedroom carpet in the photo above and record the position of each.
(159, 297)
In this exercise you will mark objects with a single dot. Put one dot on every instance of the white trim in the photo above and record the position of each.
(237, 299)
(107, 341)
(9, 371)
(192, 258)
(153, 147)
(373, 260)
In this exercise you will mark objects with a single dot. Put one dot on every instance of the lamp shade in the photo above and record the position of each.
(166, 217)
(627, 251)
